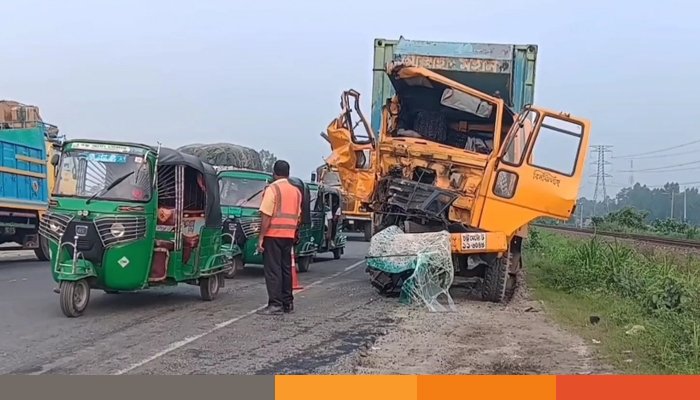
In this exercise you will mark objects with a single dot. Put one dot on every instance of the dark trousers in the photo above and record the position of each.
(277, 263)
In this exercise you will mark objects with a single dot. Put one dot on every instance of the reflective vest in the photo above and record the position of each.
(285, 216)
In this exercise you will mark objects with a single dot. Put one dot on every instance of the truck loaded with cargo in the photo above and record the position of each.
(454, 145)
(26, 176)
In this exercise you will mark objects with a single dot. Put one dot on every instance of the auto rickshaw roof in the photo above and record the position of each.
(111, 142)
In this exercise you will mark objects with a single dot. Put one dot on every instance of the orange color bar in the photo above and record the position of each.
(611, 387)
(460, 387)
(341, 387)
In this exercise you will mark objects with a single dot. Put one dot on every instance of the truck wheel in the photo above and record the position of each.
(337, 253)
(74, 297)
(515, 265)
(496, 280)
(303, 263)
(237, 266)
(209, 287)
(42, 252)
(368, 231)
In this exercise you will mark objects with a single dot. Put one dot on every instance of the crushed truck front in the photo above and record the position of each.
(449, 157)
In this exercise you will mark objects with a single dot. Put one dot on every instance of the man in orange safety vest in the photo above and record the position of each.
(280, 211)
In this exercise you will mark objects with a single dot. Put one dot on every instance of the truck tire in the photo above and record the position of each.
(368, 231)
(42, 252)
(496, 280)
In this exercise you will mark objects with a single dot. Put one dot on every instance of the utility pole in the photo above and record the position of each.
(672, 198)
(685, 205)
(600, 188)
(631, 172)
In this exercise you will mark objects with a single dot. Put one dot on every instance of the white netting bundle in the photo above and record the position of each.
(427, 255)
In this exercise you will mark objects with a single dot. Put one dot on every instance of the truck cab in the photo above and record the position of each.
(449, 157)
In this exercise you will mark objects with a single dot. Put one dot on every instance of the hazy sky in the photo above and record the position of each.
(268, 74)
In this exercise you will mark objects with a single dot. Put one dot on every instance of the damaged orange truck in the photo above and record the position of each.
(446, 156)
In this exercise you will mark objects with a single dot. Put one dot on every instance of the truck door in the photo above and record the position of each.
(538, 171)
(353, 149)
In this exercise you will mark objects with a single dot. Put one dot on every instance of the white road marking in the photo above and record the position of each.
(180, 343)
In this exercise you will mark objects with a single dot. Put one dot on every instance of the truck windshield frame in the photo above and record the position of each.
(85, 173)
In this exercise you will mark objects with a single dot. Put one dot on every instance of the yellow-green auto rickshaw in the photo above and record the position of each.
(127, 216)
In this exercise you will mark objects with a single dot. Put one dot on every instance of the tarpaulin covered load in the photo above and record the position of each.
(419, 263)
(15, 115)
(225, 155)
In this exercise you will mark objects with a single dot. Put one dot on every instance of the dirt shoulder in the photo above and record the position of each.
(479, 338)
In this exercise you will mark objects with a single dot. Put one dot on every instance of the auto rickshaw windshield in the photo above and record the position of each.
(104, 175)
(241, 192)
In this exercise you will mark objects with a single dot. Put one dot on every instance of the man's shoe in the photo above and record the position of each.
(288, 309)
(270, 310)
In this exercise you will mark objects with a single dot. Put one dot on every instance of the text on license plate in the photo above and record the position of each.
(474, 241)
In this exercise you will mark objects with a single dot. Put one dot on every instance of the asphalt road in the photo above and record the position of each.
(171, 331)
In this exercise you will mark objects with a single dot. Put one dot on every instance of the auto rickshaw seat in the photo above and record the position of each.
(165, 244)
(190, 242)
(166, 216)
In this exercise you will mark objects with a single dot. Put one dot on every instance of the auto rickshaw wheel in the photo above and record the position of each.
(209, 287)
(237, 266)
(303, 263)
(337, 253)
(74, 297)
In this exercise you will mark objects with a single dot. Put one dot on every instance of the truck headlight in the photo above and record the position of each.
(117, 230)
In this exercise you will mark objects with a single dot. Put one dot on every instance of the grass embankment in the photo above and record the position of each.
(649, 306)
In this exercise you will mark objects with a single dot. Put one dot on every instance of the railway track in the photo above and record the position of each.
(631, 236)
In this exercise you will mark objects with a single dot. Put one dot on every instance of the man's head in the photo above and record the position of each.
(280, 170)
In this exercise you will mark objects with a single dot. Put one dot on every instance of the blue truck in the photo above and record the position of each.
(504, 70)
(26, 176)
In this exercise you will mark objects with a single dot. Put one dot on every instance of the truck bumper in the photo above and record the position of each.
(479, 242)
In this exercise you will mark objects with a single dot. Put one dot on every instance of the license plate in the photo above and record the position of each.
(81, 230)
(474, 241)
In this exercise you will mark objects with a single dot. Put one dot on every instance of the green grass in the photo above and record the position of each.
(577, 279)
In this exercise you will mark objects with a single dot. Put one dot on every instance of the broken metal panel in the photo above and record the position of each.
(508, 69)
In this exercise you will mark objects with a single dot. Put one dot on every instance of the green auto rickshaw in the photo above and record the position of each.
(126, 216)
(241, 194)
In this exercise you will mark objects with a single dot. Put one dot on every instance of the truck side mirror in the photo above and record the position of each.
(54, 159)
(313, 177)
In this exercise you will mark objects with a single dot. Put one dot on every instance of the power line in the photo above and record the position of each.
(665, 170)
(665, 167)
(683, 153)
(660, 150)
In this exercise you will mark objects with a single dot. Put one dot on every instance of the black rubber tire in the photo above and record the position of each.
(74, 297)
(303, 263)
(337, 253)
(368, 231)
(237, 267)
(514, 270)
(496, 280)
(42, 252)
(209, 287)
